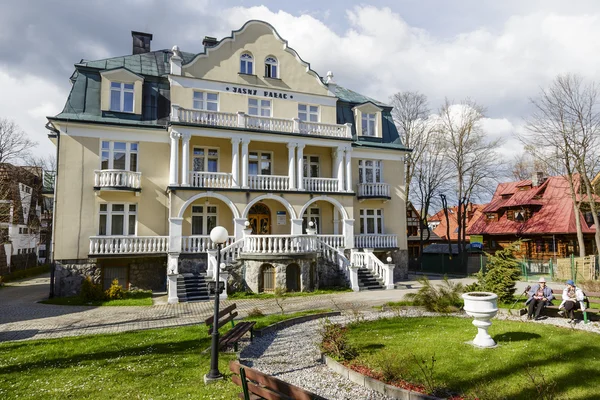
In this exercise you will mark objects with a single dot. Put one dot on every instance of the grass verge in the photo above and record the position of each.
(134, 298)
(530, 357)
(266, 320)
(250, 295)
(25, 273)
(158, 364)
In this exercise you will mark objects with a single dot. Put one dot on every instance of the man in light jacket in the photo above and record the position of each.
(540, 296)
(571, 296)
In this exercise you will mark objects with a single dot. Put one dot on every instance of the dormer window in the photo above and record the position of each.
(271, 67)
(121, 97)
(369, 124)
(519, 216)
(246, 64)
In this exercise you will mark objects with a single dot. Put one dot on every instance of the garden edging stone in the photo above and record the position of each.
(374, 384)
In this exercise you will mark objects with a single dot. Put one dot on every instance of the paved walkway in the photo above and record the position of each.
(21, 317)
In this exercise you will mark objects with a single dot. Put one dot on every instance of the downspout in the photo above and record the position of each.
(51, 127)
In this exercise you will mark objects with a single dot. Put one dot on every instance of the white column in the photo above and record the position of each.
(239, 224)
(336, 221)
(173, 181)
(296, 226)
(348, 169)
(354, 278)
(172, 272)
(339, 167)
(245, 143)
(300, 166)
(235, 161)
(291, 164)
(185, 159)
(175, 232)
(389, 274)
(348, 232)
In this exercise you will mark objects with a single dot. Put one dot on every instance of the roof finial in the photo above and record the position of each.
(330, 78)
(176, 51)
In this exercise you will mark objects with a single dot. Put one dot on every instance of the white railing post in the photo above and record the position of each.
(348, 130)
(211, 267)
(354, 277)
(241, 119)
(172, 272)
(174, 112)
(296, 128)
(389, 274)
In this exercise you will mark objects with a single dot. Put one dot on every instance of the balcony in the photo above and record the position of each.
(321, 184)
(116, 179)
(125, 245)
(201, 243)
(269, 182)
(375, 241)
(244, 121)
(374, 191)
(211, 179)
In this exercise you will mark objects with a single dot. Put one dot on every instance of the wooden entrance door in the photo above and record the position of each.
(259, 217)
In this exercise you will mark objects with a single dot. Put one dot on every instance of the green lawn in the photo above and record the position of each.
(151, 364)
(136, 298)
(566, 358)
(25, 273)
(266, 320)
(250, 295)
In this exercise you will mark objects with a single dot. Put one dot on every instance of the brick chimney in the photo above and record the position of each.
(209, 41)
(537, 179)
(141, 42)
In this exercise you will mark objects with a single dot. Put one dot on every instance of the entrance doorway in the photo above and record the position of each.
(259, 217)
(292, 278)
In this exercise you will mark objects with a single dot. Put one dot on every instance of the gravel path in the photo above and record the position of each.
(293, 355)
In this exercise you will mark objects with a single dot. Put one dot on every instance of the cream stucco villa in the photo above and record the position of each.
(158, 147)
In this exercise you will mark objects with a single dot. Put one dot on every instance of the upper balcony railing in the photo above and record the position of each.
(375, 241)
(211, 179)
(116, 178)
(242, 120)
(269, 182)
(112, 245)
(374, 190)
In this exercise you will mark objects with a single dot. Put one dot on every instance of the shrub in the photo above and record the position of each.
(115, 292)
(256, 312)
(392, 367)
(334, 342)
(91, 291)
(444, 298)
(503, 272)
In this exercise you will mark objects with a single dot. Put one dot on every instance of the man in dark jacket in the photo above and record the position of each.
(540, 296)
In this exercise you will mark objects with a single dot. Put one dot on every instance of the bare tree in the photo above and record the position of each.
(476, 164)
(565, 126)
(524, 166)
(14, 143)
(411, 113)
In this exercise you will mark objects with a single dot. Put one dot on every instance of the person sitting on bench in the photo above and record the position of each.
(539, 297)
(571, 296)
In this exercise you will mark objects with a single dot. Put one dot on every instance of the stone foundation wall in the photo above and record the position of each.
(148, 274)
(69, 274)
(329, 275)
(193, 264)
(399, 259)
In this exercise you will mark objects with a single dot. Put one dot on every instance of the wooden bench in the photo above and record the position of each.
(256, 385)
(232, 336)
(590, 297)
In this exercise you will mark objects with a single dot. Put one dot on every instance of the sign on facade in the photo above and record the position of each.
(281, 218)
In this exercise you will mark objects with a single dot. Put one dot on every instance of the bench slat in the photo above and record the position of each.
(273, 383)
(222, 322)
(237, 333)
(262, 392)
(226, 338)
(223, 312)
(252, 396)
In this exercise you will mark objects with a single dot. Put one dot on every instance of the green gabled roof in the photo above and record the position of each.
(154, 63)
(350, 96)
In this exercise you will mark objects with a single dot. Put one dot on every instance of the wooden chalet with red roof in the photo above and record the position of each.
(539, 211)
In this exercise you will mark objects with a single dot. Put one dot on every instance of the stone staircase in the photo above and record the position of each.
(192, 287)
(368, 281)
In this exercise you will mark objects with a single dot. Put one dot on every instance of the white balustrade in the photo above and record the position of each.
(321, 184)
(116, 178)
(371, 262)
(321, 129)
(242, 120)
(334, 241)
(101, 245)
(375, 241)
(269, 182)
(200, 243)
(213, 118)
(280, 244)
(211, 179)
(374, 190)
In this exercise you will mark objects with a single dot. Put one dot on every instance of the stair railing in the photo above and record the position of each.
(229, 254)
(376, 266)
(334, 255)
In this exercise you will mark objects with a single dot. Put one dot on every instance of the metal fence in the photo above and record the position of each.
(575, 268)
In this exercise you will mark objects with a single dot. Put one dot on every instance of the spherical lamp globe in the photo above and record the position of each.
(219, 235)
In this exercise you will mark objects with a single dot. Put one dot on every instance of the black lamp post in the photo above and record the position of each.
(218, 235)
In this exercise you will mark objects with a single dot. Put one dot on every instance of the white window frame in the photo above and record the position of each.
(130, 148)
(260, 107)
(201, 97)
(260, 153)
(365, 119)
(309, 113)
(362, 170)
(378, 221)
(307, 164)
(122, 90)
(126, 213)
(206, 157)
(245, 62)
(270, 62)
(310, 215)
(204, 214)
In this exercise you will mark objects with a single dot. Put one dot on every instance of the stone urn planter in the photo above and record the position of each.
(482, 306)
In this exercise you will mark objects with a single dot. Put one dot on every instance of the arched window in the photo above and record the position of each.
(271, 67)
(246, 62)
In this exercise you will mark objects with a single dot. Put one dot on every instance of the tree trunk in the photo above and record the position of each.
(592, 201)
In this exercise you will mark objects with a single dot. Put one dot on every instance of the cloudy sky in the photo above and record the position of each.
(498, 53)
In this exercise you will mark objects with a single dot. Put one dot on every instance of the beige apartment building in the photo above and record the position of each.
(157, 148)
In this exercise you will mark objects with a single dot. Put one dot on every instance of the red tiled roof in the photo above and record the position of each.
(550, 202)
(441, 231)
